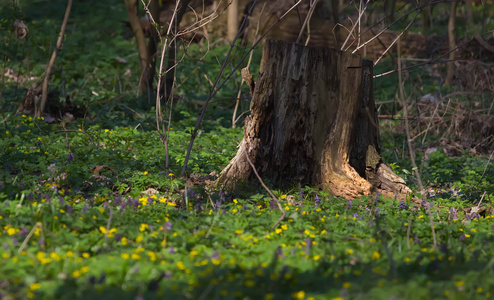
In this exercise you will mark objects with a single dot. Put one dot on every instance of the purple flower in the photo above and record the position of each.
(279, 253)
(30, 196)
(349, 204)
(117, 201)
(285, 269)
(70, 157)
(5, 245)
(216, 205)
(191, 194)
(403, 205)
(118, 237)
(153, 285)
(167, 226)
(462, 237)
(85, 208)
(473, 216)
(344, 293)
(54, 188)
(150, 201)
(24, 231)
(135, 202)
(273, 204)
(171, 250)
(377, 198)
(376, 212)
(222, 196)
(317, 200)
(425, 204)
(168, 274)
(452, 213)
(14, 241)
(47, 197)
(198, 206)
(444, 248)
(215, 255)
(60, 201)
(102, 278)
(301, 194)
(355, 215)
(123, 206)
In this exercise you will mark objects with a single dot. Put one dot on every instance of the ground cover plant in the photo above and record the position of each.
(89, 208)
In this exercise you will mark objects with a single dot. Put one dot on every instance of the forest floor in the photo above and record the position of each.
(91, 208)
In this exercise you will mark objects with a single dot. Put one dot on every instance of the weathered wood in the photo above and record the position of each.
(312, 122)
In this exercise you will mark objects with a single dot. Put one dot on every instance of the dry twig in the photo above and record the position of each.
(267, 189)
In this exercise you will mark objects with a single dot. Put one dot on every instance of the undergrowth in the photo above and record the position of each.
(89, 209)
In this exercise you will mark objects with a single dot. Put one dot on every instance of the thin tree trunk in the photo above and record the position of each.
(389, 10)
(232, 20)
(450, 67)
(144, 57)
(468, 7)
(426, 17)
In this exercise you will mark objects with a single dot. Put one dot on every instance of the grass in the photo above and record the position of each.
(89, 211)
(60, 245)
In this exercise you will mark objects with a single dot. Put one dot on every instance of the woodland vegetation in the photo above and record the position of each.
(124, 124)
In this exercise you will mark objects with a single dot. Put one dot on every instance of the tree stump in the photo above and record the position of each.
(313, 121)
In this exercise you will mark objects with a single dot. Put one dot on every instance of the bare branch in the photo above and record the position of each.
(58, 47)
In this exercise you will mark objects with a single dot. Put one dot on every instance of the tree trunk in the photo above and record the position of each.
(468, 7)
(450, 66)
(144, 56)
(232, 20)
(426, 16)
(313, 121)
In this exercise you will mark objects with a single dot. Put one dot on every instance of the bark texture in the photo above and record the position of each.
(312, 122)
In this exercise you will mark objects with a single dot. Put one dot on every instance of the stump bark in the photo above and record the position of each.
(313, 121)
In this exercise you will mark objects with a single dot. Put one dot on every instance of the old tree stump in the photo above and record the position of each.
(313, 121)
